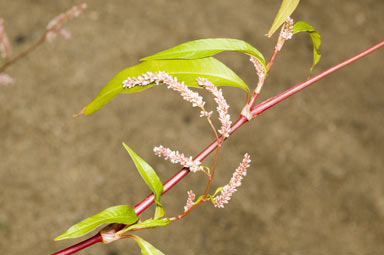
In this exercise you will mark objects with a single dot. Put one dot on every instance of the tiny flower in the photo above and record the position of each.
(5, 79)
(162, 77)
(177, 157)
(222, 106)
(55, 26)
(206, 114)
(5, 47)
(235, 182)
(190, 200)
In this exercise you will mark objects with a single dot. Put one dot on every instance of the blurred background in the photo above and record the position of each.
(316, 182)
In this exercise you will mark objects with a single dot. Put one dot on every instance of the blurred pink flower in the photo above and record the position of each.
(55, 26)
(5, 79)
(5, 47)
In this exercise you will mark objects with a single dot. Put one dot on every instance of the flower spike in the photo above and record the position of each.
(222, 106)
(163, 77)
(235, 182)
(190, 200)
(286, 33)
(177, 157)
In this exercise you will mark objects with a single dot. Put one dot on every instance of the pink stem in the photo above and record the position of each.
(256, 110)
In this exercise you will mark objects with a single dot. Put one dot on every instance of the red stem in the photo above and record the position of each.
(256, 110)
(272, 59)
(84, 244)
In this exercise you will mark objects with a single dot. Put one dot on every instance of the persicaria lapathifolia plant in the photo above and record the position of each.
(54, 28)
(192, 65)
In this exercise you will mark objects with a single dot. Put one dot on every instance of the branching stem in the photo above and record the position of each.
(256, 110)
(23, 53)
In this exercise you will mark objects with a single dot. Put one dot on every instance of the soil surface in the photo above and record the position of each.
(316, 182)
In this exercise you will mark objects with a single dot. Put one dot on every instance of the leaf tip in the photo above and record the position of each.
(82, 112)
(125, 146)
(60, 237)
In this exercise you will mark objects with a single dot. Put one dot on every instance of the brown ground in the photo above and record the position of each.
(316, 184)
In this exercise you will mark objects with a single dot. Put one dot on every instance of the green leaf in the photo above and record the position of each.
(206, 48)
(219, 189)
(122, 214)
(147, 173)
(159, 212)
(146, 248)
(286, 9)
(198, 199)
(316, 40)
(150, 223)
(185, 70)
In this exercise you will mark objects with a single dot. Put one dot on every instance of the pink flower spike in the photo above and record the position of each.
(177, 157)
(190, 200)
(222, 105)
(259, 68)
(235, 182)
(288, 28)
(55, 26)
(5, 47)
(162, 77)
(5, 79)
(285, 34)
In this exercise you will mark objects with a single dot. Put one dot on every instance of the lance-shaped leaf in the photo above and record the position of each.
(146, 248)
(316, 40)
(207, 48)
(151, 223)
(147, 173)
(159, 212)
(122, 214)
(185, 70)
(286, 9)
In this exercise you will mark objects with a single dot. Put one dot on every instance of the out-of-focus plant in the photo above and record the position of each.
(54, 28)
(192, 65)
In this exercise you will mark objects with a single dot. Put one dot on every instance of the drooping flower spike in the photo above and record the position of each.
(172, 82)
(222, 106)
(177, 157)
